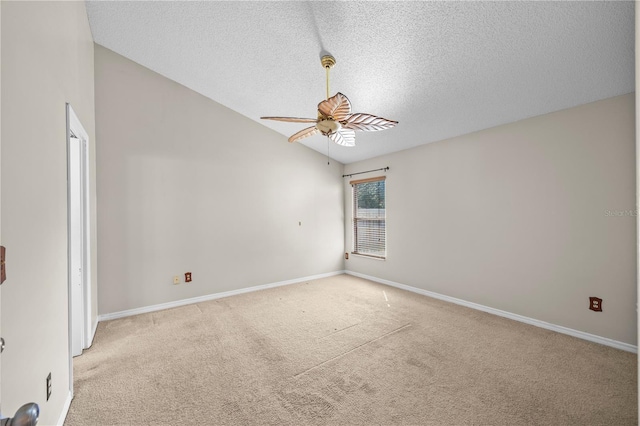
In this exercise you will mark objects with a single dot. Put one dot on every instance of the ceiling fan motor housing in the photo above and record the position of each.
(328, 126)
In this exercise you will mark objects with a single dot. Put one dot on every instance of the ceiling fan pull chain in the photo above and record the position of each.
(328, 151)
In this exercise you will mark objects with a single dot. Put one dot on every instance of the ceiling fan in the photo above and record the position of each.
(335, 119)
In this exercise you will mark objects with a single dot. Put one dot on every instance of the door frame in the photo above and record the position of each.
(75, 129)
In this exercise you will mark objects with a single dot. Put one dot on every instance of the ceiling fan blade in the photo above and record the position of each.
(337, 106)
(367, 122)
(291, 119)
(344, 137)
(304, 133)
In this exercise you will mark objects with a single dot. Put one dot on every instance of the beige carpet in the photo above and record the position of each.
(336, 352)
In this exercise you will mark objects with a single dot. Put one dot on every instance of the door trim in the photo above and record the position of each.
(75, 128)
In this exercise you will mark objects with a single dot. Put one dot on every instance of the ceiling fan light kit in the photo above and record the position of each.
(335, 119)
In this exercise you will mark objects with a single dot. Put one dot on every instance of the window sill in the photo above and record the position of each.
(368, 257)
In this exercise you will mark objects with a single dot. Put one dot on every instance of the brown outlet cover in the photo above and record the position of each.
(595, 304)
(187, 277)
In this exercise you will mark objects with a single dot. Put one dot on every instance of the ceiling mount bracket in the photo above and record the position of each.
(328, 61)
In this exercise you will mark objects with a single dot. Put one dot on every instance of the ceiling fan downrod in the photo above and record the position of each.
(328, 62)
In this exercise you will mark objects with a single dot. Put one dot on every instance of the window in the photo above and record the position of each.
(369, 217)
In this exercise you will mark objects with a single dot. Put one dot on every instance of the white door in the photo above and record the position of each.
(28, 413)
(76, 245)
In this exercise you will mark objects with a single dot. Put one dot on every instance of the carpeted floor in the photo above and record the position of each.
(345, 351)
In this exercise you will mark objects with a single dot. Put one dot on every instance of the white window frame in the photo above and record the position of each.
(380, 219)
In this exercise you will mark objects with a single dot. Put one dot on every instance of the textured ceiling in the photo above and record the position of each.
(441, 69)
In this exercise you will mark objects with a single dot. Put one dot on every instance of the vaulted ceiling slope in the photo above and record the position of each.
(441, 69)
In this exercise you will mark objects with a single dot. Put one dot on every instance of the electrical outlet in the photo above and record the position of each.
(176, 279)
(346, 256)
(187, 277)
(595, 304)
(48, 386)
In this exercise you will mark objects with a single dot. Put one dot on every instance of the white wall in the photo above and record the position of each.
(185, 184)
(515, 218)
(637, 105)
(1, 201)
(47, 60)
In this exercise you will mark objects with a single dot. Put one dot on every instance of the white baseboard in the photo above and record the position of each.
(177, 303)
(558, 328)
(65, 410)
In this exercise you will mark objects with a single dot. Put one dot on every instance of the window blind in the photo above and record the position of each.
(369, 217)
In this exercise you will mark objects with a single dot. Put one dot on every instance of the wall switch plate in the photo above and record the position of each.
(595, 304)
(176, 279)
(187, 277)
